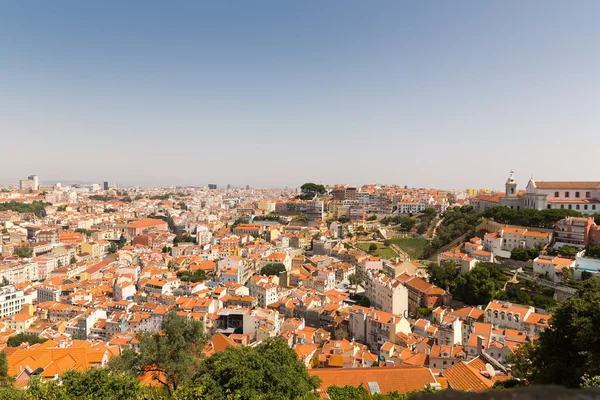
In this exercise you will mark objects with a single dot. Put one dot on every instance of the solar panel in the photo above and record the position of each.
(374, 388)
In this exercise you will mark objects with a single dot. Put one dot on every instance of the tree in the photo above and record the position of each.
(355, 280)
(93, 383)
(443, 275)
(544, 302)
(523, 254)
(59, 264)
(585, 275)
(372, 247)
(112, 248)
(196, 276)
(5, 282)
(313, 188)
(170, 356)
(372, 218)
(590, 381)
(100, 383)
(122, 241)
(570, 347)
(272, 269)
(24, 252)
(568, 251)
(23, 337)
(514, 294)
(364, 302)
(475, 287)
(592, 251)
(270, 370)
(73, 260)
(165, 249)
(5, 379)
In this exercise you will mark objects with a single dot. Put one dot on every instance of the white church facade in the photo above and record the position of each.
(579, 196)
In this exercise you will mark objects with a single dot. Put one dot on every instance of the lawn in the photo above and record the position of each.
(382, 250)
(412, 246)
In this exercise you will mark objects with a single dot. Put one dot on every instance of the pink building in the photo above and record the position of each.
(573, 230)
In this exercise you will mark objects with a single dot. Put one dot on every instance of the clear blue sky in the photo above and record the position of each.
(448, 94)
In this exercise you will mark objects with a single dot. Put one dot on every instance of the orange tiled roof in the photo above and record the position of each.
(389, 379)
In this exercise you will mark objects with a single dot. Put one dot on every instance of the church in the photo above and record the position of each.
(579, 196)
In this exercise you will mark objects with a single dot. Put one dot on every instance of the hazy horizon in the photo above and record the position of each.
(443, 95)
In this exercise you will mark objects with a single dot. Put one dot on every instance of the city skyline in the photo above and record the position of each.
(451, 96)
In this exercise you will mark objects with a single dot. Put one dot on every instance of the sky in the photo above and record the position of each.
(439, 94)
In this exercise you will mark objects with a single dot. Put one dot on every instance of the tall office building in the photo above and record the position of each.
(105, 185)
(31, 183)
(212, 186)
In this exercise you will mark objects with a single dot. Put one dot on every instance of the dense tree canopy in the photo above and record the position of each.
(268, 217)
(171, 356)
(479, 285)
(313, 188)
(270, 370)
(570, 347)
(523, 254)
(443, 275)
(272, 269)
(457, 221)
(513, 294)
(24, 337)
(529, 217)
(405, 223)
(98, 197)
(196, 276)
(36, 207)
(24, 252)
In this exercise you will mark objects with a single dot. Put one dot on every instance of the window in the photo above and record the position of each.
(577, 194)
(555, 194)
(588, 195)
(585, 206)
(566, 194)
(562, 206)
(549, 206)
(593, 206)
(570, 207)
(577, 206)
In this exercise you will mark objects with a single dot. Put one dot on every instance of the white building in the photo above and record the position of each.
(385, 293)
(579, 196)
(31, 183)
(11, 300)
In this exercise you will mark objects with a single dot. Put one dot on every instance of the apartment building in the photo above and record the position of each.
(374, 327)
(574, 231)
(385, 293)
(502, 314)
(11, 300)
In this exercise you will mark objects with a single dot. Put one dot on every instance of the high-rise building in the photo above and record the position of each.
(212, 186)
(228, 186)
(105, 185)
(31, 183)
(247, 187)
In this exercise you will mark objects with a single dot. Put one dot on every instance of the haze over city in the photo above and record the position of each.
(448, 95)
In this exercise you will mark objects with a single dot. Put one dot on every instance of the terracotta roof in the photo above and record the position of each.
(567, 185)
(463, 377)
(389, 379)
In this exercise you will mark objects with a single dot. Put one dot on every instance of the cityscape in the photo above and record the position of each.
(385, 200)
(443, 286)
